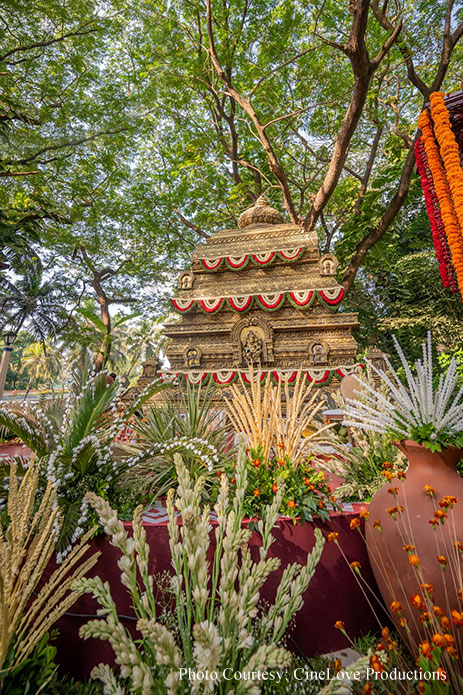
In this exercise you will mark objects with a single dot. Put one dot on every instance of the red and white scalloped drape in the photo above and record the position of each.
(317, 375)
(263, 258)
(267, 300)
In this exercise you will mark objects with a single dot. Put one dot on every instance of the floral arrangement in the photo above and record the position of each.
(437, 225)
(418, 411)
(215, 592)
(306, 490)
(442, 154)
(72, 435)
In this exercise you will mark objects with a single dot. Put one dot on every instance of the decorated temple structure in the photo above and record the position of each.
(263, 295)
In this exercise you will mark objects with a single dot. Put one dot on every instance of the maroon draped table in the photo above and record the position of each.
(333, 594)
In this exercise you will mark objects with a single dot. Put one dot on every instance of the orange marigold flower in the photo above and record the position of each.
(355, 523)
(256, 463)
(281, 462)
(409, 548)
(385, 633)
(427, 588)
(414, 560)
(281, 445)
(333, 536)
(417, 601)
(306, 481)
(393, 490)
(356, 566)
(433, 522)
(459, 546)
(274, 487)
(442, 560)
(451, 651)
(438, 611)
(339, 625)
(387, 464)
(438, 640)
(425, 649)
(440, 514)
(292, 504)
(396, 606)
(401, 475)
(445, 623)
(449, 639)
(367, 689)
(392, 511)
(448, 501)
(320, 504)
(421, 688)
(457, 618)
(403, 622)
(377, 525)
(460, 593)
(364, 514)
(376, 664)
(219, 473)
(429, 490)
(425, 617)
(388, 475)
(257, 492)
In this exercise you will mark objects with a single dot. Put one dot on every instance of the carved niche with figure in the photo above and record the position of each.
(328, 264)
(185, 280)
(192, 356)
(252, 340)
(318, 352)
(252, 348)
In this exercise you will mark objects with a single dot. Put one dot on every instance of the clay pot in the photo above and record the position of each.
(397, 579)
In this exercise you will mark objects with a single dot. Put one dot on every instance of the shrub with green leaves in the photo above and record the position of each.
(186, 422)
(72, 436)
(215, 595)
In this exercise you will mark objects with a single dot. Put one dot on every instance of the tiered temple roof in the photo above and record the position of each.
(259, 294)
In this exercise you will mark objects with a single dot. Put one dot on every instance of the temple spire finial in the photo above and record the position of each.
(260, 213)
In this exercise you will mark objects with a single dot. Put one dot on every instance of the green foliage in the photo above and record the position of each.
(72, 435)
(118, 135)
(30, 300)
(306, 492)
(188, 423)
(37, 672)
(40, 674)
(361, 466)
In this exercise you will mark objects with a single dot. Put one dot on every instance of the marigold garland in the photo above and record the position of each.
(437, 226)
(448, 212)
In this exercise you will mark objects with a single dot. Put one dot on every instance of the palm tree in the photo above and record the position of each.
(41, 362)
(31, 302)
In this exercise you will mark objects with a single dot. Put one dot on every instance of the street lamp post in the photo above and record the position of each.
(9, 337)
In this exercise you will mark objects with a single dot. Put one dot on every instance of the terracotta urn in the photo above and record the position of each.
(400, 572)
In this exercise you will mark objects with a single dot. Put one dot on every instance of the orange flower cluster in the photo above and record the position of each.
(444, 162)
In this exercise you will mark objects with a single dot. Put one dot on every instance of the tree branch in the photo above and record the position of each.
(190, 225)
(43, 44)
(245, 104)
(70, 143)
(363, 70)
(385, 222)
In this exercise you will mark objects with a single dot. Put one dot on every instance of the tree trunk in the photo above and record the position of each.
(104, 350)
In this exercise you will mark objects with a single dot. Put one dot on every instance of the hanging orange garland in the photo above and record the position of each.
(450, 217)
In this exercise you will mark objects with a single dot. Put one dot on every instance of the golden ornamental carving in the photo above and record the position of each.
(245, 300)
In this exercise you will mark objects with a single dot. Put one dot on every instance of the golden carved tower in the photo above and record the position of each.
(260, 294)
